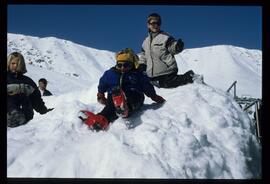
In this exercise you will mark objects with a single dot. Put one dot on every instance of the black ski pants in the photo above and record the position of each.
(173, 80)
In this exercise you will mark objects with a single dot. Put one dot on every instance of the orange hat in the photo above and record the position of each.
(124, 57)
(127, 55)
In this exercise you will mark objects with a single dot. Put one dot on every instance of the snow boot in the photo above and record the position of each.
(120, 102)
(94, 121)
(187, 77)
(198, 79)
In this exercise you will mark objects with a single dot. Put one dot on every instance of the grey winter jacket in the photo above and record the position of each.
(158, 54)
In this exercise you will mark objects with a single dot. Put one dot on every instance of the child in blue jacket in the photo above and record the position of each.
(125, 86)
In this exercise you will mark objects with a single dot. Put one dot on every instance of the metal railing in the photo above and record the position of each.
(234, 88)
(246, 103)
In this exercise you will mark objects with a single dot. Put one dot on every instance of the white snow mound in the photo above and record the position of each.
(199, 132)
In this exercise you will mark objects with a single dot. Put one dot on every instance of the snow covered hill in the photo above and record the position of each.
(200, 132)
(220, 65)
(64, 59)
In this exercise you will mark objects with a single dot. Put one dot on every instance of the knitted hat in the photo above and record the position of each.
(154, 16)
(127, 55)
(122, 57)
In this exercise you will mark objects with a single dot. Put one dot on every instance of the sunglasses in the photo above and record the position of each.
(125, 65)
(154, 23)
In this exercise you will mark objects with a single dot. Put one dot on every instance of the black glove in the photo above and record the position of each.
(158, 99)
(101, 98)
(50, 109)
(179, 45)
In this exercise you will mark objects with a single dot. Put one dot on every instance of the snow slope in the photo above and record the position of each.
(200, 132)
(220, 65)
(64, 58)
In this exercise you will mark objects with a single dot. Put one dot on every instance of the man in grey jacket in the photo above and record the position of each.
(157, 56)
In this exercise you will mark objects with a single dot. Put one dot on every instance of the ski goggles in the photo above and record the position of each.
(125, 65)
(154, 23)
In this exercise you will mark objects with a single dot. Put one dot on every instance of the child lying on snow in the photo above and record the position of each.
(125, 85)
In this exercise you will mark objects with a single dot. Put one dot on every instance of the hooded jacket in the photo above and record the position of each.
(45, 92)
(158, 52)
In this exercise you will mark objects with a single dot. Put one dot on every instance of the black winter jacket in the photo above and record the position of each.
(24, 103)
(46, 93)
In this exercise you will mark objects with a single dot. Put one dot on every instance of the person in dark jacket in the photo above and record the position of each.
(157, 56)
(22, 93)
(125, 84)
(42, 85)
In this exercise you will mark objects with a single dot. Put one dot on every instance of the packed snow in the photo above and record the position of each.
(200, 132)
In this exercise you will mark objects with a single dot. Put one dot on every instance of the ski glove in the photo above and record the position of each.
(158, 99)
(50, 109)
(14, 89)
(179, 45)
(101, 98)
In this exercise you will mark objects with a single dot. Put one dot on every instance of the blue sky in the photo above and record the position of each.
(114, 27)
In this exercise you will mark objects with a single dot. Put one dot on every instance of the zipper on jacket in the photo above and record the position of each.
(121, 80)
(151, 39)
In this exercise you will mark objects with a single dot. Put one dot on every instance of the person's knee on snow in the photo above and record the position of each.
(16, 118)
